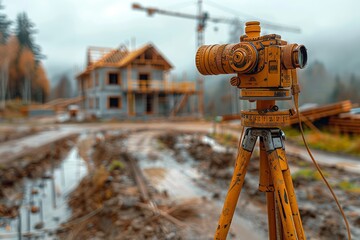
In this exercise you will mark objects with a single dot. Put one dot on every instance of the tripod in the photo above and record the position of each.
(284, 220)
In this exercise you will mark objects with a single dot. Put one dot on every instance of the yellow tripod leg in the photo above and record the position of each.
(233, 194)
(282, 196)
(266, 185)
(292, 198)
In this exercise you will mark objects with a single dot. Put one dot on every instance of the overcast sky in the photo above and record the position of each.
(330, 29)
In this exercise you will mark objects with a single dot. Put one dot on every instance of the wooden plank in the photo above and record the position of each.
(323, 111)
(230, 117)
(345, 125)
(180, 105)
(139, 178)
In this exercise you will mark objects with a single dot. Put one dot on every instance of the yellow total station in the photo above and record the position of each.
(265, 68)
(264, 64)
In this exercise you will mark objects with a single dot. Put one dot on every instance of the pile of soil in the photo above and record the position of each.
(213, 163)
(169, 140)
(108, 205)
(216, 164)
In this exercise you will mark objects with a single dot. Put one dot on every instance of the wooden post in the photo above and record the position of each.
(156, 103)
(53, 176)
(130, 95)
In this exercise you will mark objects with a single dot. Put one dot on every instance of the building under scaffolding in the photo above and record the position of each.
(118, 83)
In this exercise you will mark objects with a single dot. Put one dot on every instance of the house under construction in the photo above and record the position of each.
(118, 83)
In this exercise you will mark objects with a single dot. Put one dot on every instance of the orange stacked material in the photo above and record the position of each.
(328, 110)
(61, 104)
(346, 123)
(230, 117)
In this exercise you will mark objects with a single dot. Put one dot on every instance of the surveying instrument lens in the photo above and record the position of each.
(302, 56)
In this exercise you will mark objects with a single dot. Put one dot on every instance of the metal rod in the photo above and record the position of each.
(53, 191)
(41, 210)
(19, 225)
(29, 218)
(53, 177)
(63, 175)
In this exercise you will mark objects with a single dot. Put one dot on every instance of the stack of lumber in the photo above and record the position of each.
(329, 110)
(230, 117)
(346, 123)
(338, 117)
(62, 103)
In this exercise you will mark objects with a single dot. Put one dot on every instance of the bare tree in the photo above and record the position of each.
(4, 78)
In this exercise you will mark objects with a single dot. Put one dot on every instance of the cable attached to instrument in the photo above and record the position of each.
(295, 92)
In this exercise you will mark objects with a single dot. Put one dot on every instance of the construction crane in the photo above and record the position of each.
(202, 18)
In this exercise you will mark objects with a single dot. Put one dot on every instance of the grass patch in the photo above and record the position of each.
(308, 174)
(330, 142)
(227, 140)
(12, 110)
(116, 165)
(349, 186)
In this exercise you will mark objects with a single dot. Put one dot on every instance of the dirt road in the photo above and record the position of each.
(346, 162)
(182, 182)
(12, 149)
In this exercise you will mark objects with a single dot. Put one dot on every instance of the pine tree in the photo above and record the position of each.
(25, 30)
(353, 89)
(63, 88)
(4, 27)
(339, 92)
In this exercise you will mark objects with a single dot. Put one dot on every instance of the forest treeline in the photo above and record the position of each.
(320, 86)
(22, 74)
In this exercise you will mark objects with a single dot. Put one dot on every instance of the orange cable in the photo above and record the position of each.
(319, 170)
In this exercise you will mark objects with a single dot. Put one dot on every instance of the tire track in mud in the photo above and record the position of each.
(182, 182)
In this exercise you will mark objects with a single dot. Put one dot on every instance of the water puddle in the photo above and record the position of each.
(44, 201)
(177, 173)
(177, 179)
(214, 145)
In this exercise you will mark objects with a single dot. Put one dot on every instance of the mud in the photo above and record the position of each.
(316, 205)
(36, 165)
(108, 205)
(12, 133)
(215, 164)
